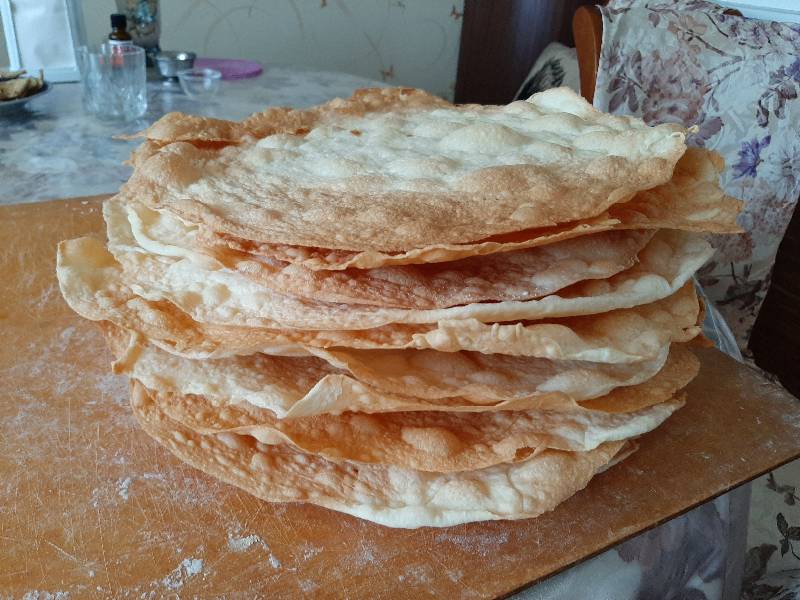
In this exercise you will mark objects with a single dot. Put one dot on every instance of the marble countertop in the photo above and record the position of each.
(54, 149)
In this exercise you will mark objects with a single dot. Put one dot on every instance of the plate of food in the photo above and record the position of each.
(17, 89)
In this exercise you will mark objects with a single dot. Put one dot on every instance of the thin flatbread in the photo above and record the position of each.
(210, 132)
(443, 442)
(691, 201)
(434, 376)
(292, 387)
(518, 275)
(391, 496)
(437, 174)
(217, 295)
(485, 378)
(91, 282)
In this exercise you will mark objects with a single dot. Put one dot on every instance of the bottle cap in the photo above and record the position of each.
(119, 20)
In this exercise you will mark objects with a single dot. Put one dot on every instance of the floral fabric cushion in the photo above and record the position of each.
(695, 556)
(737, 80)
(773, 537)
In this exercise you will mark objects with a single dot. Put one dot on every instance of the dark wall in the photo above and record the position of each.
(776, 336)
(500, 40)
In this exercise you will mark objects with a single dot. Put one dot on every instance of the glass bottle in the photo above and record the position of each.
(119, 35)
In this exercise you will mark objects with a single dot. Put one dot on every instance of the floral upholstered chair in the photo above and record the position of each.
(737, 82)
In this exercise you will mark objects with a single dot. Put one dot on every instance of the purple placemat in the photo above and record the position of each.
(230, 68)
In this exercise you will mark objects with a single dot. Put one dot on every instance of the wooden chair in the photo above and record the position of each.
(587, 29)
(775, 341)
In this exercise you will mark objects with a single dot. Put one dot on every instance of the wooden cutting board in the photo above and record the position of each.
(91, 506)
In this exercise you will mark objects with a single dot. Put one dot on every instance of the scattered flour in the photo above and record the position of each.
(481, 543)
(309, 551)
(237, 543)
(418, 574)
(45, 297)
(66, 334)
(193, 566)
(306, 585)
(455, 576)
(366, 554)
(37, 595)
(188, 568)
(240, 544)
(123, 487)
(112, 387)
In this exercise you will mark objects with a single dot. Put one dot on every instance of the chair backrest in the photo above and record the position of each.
(587, 29)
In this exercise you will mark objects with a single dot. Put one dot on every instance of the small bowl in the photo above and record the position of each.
(200, 84)
(170, 62)
(8, 106)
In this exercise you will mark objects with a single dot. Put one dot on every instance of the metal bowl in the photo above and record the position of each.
(169, 63)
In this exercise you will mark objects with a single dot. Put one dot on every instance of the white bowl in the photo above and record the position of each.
(200, 84)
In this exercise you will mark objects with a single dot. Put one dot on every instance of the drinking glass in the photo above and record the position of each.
(114, 81)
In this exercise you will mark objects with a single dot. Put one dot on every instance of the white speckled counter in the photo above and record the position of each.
(54, 149)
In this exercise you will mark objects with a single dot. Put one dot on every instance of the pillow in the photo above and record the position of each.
(737, 80)
(557, 65)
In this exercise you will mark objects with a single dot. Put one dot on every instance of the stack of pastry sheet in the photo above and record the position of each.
(405, 310)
